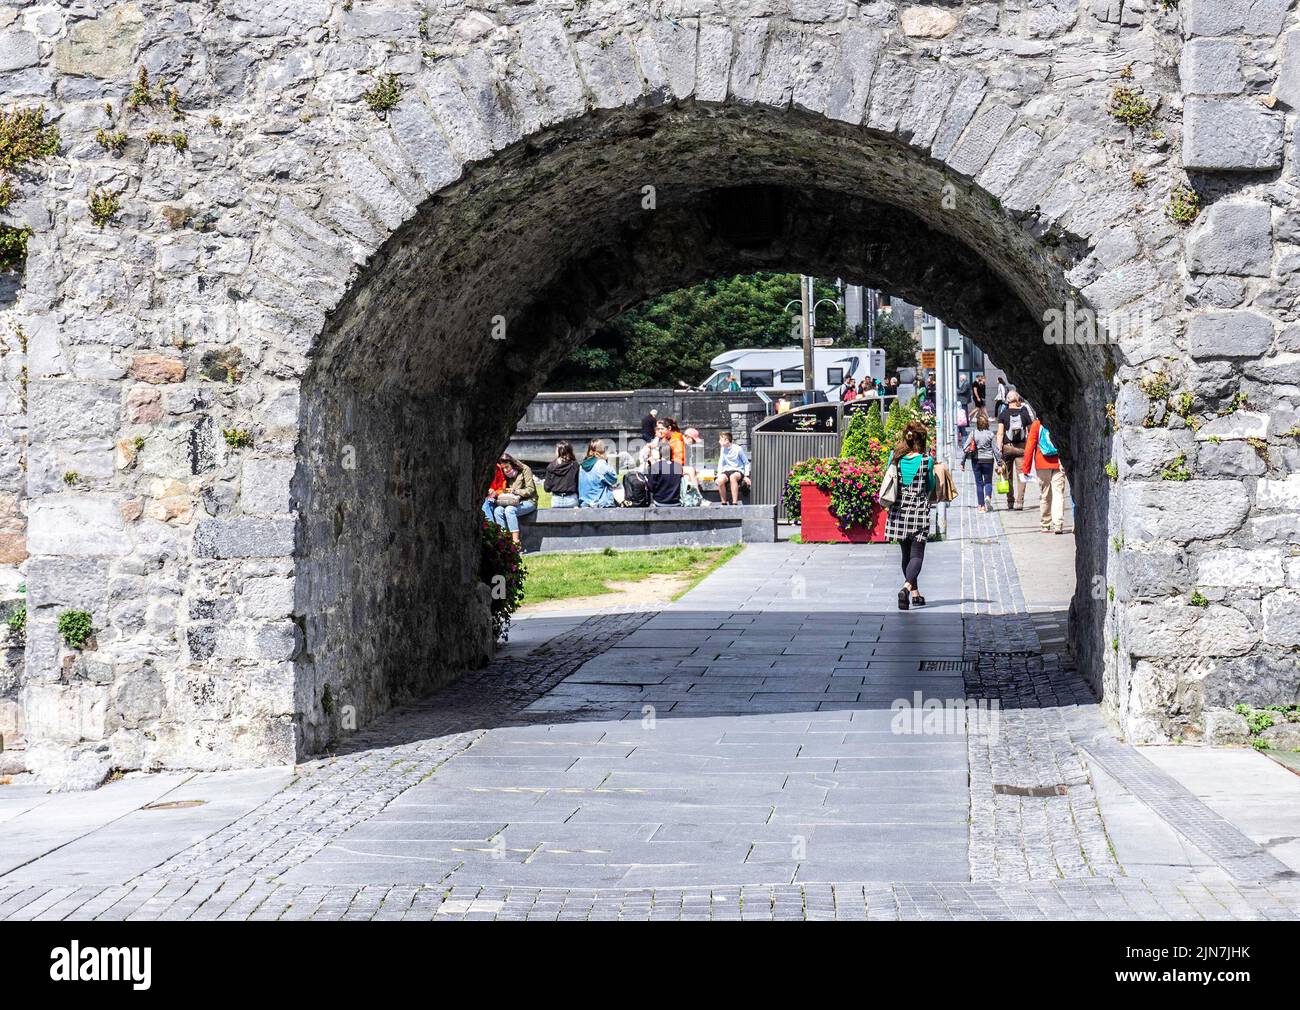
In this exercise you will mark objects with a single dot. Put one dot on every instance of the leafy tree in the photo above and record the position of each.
(673, 337)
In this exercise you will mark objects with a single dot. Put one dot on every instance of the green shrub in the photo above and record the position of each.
(76, 628)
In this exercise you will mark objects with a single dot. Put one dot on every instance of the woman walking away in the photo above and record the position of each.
(562, 478)
(909, 515)
(596, 478)
(982, 450)
(518, 499)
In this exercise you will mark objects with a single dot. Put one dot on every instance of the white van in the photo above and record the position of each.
(780, 370)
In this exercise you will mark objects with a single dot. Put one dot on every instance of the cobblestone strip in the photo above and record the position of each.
(1034, 814)
(333, 793)
(1120, 898)
(995, 614)
(1219, 839)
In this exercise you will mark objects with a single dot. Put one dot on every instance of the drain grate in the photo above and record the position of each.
(1057, 789)
(933, 665)
(1013, 654)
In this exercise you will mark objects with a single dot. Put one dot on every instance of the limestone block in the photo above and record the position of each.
(1225, 728)
(545, 50)
(1234, 17)
(1181, 630)
(103, 46)
(1222, 134)
(63, 410)
(1282, 369)
(265, 485)
(713, 67)
(1211, 67)
(1238, 424)
(1241, 567)
(1282, 736)
(927, 22)
(850, 85)
(77, 525)
(268, 596)
(1287, 88)
(18, 50)
(1232, 237)
(157, 368)
(1183, 511)
(1281, 610)
(244, 538)
(817, 10)
(1281, 494)
(143, 405)
(1159, 569)
(1228, 459)
(1230, 334)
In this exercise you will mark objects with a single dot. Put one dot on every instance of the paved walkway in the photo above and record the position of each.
(740, 754)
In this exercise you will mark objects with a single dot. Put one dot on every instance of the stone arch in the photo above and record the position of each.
(321, 209)
(824, 155)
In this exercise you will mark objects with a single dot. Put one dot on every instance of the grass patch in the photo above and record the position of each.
(564, 576)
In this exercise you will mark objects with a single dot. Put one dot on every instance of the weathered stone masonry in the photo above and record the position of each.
(272, 371)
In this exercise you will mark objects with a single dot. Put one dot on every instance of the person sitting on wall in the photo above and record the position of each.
(495, 488)
(562, 478)
(665, 478)
(733, 469)
(519, 497)
(596, 478)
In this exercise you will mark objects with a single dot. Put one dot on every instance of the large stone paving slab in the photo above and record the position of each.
(742, 736)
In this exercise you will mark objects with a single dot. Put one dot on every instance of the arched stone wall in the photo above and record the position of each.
(331, 264)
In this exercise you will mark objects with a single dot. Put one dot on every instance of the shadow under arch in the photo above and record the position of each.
(409, 397)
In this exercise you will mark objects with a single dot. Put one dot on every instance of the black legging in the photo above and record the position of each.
(913, 559)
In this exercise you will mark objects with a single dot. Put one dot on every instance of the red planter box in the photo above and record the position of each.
(821, 527)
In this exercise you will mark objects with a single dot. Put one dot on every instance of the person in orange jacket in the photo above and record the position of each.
(498, 485)
(1044, 460)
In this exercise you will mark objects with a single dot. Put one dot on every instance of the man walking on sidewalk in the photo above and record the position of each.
(1013, 430)
(1041, 454)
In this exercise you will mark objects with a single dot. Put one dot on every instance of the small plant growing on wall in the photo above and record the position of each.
(1198, 599)
(104, 205)
(237, 438)
(156, 138)
(71, 477)
(1176, 469)
(112, 141)
(1184, 205)
(384, 96)
(1112, 471)
(17, 622)
(76, 627)
(13, 247)
(1130, 108)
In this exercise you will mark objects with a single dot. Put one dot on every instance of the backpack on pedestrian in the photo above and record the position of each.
(1045, 444)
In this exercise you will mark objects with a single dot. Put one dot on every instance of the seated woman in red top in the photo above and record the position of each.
(498, 485)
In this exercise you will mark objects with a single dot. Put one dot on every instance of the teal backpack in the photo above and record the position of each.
(1045, 444)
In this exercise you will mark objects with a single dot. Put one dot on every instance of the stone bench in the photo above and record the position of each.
(587, 529)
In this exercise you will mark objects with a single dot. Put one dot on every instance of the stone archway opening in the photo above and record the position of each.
(451, 328)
